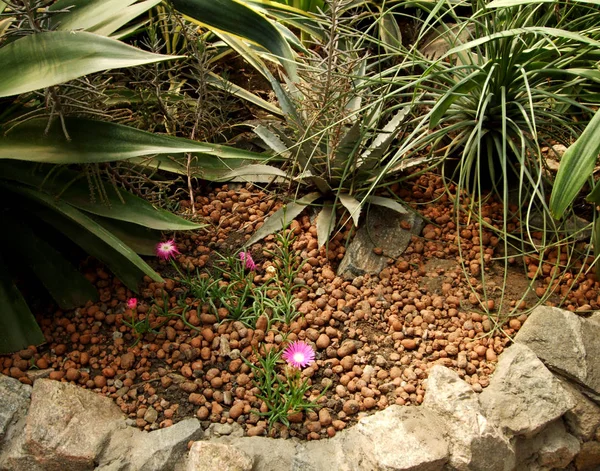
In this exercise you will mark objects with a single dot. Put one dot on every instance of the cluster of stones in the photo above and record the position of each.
(540, 412)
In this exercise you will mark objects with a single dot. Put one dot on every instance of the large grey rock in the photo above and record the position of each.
(396, 439)
(381, 228)
(268, 454)
(210, 456)
(131, 449)
(15, 401)
(66, 428)
(552, 448)
(475, 443)
(523, 395)
(566, 343)
(583, 420)
(160, 449)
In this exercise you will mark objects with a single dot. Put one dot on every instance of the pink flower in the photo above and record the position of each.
(246, 258)
(299, 354)
(166, 250)
(132, 303)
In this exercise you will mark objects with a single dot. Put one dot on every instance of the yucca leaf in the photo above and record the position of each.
(67, 286)
(576, 167)
(91, 236)
(283, 216)
(99, 141)
(236, 18)
(139, 239)
(18, 328)
(118, 204)
(50, 58)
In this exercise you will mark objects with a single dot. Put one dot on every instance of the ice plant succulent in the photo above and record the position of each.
(132, 303)
(299, 354)
(246, 258)
(166, 250)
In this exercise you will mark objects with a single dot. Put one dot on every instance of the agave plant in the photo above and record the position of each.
(335, 138)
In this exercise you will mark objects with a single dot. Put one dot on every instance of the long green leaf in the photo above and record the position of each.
(91, 236)
(117, 204)
(283, 216)
(18, 328)
(537, 30)
(85, 14)
(99, 141)
(576, 166)
(45, 59)
(67, 286)
(140, 239)
(233, 17)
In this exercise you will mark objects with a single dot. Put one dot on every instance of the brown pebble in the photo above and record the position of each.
(325, 417)
(236, 410)
(99, 381)
(127, 360)
(351, 407)
(409, 344)
(73, 374)
(490, 355)
(256, 431)
(202, 413)
(323, 341)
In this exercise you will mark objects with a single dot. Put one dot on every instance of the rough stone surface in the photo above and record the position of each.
(268, 454)
(566, 343)
(523, 395)
(552, 448)
(66, 428)
(588, 458)
(160, 449)
(382, 229)
(583, 420)
(474, 442)
(416, 436)
(15, 401)
(210, 456)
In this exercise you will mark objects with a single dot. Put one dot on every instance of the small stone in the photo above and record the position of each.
(409, 344)
(351, 407)
(151, 415)
(256, 431)
(323, 341)
(236, 410)
(127, 360)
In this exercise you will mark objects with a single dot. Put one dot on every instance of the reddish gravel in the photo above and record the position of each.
(375, 336)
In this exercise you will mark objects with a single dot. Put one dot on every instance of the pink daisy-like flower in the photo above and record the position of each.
(132, 303)
(166, 250)
(246, 258)
(299, 354)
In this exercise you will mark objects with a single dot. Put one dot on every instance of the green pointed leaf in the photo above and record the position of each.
(387, 203)
(236, 18)
(139, 239)
(91, 236)
(576, 167)
(456, 92)
(352, 205)
(99, 141)
(72, 188)
(67, 286)
(283, 216)
(18, 328)
(85, 14)
(219, 82)
(255, 173)
(325, 223)
(46, 59)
